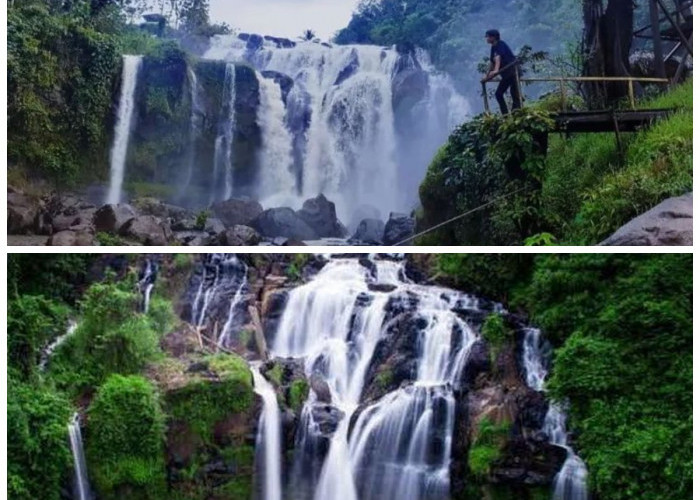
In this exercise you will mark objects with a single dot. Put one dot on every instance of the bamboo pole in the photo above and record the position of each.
(562, 87)
(677, 27)
(630, 89)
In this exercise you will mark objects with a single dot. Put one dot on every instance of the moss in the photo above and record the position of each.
(238, 488)
(298, 392)
(275, 375)
(203, 402)
(487, 446)
(385, 378)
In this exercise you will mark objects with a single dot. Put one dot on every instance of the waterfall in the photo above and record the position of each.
(221, 284)
(335, 323)
(343, 122)
(195, 130)
(122, 129)
(268, 440)
(81, 485)
(51, 348)
(147, 280)
(570, 482)
(237, 301)
(276, 156)
(223, 148)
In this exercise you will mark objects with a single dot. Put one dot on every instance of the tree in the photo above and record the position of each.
(308, 35)
(608, 37)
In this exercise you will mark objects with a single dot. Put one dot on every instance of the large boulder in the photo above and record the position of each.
(111, 218)
(239, 236)
(319, 214)
(399, 228)
(158, 208)
(148, 230)
(285, 82)
(237, 212)
(71, 238)
(668, 224)
(350, 68)
(283, 222)
(22, 210)
(192, 238)
(370, 232)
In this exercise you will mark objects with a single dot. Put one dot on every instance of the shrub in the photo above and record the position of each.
(38, 456)
(125, 439)
(486, 448)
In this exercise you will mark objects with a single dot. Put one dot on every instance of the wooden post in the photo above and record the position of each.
(656, 32)
(630, 88)
(562, 87)
(486, 97)
(520, 88)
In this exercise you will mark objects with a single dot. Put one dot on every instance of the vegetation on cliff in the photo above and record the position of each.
(622, 329)
(581, 191)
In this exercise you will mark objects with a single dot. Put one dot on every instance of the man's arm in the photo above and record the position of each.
(495, 68)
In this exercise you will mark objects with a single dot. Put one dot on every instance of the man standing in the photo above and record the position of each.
(502, 58)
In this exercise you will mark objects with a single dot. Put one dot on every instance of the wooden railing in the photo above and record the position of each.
(563, 80)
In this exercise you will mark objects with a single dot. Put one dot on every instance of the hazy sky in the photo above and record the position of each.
(286, 18)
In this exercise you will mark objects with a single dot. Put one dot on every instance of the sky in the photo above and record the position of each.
(284, 18)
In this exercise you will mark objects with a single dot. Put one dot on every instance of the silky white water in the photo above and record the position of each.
(146, 283)
(350, 148)
(195, 130)
(81, 484)
(223, 148)
(236, 302)
(335, 323)
(51, 348)
(268, 440)
(122, 129)
(570, 482)
(276, 155)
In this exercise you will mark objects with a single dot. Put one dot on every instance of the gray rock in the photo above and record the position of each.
(364, 212)
(320, 387)
(158, 208)
(22, 211)
(668, 224)
(214, 226)
(283, 222)
(111, 218)
(370, 232)
(350, 69)
(319, 214)
(71, 238)
(43, 224)
(399, 228)
(186, 224)
(285, 82)
(237, 212)
(327, 417)
(192, 238)
(239, 236)
(148, 230)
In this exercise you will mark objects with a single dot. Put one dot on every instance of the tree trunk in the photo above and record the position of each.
(607, 42)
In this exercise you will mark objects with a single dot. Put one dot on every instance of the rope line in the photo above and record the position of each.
(453, 219)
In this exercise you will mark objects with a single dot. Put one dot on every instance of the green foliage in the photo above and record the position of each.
(55, 276)
(124, 443)
(62, 66)
(161, 315)
(32, 322)
(109, 240)
(585, 188)
(496, 332)
(486, 448)
(38, 457)
(296, 266)
(490, 165)
(298, 392)
(204, 402)
(492, 275)
(275, 375)
(624, 327)
(202, 218)
(112, 337)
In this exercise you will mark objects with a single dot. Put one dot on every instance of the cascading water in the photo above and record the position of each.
(221, 286)
(268, 440)
(81, 484)
(342, 117)
(570, 483)
(223, 149)
(335, 323)
(276, 156)
(51, 348)
(122, 130)
(195, 130)
(147, 281)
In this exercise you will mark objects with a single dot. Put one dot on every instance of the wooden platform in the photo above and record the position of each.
(608, 121)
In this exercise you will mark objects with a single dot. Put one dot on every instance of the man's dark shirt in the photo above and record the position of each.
(501, 48)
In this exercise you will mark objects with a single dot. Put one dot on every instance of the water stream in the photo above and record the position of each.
(81, 484)
(122, 129)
